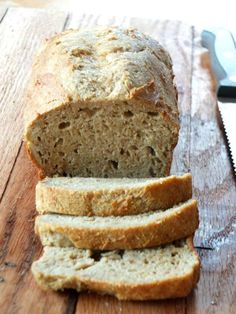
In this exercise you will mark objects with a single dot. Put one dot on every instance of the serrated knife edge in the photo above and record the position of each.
(228, 115)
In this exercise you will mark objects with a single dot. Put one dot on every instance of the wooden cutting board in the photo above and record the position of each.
(201, 149)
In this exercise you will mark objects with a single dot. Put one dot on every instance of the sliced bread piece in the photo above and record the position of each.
(126, 232)
(111, 197)
(164, 272)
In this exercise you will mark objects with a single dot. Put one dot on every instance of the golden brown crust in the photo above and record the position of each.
(160, 194)
(170, 288)
(53, 80)
(172, 226)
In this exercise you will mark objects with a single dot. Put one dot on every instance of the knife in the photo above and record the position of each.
(222, 50)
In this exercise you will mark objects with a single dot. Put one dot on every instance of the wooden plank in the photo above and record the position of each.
(216, 290)
(214, 186)
(21, 33)
(93, 303)
(213, 177)
(177, 38)
(19, 247)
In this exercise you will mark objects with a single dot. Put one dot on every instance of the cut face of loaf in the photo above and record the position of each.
(102, 103)
(111, 196)
(164, 272)
(126, 232)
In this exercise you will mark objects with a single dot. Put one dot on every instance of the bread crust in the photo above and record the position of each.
(60, 67)
(172, 226)
(175, 287)
(160, 194)
(48, 90)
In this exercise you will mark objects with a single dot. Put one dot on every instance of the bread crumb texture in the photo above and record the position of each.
(166, 271)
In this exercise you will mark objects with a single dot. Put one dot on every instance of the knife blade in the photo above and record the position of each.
(222, 50)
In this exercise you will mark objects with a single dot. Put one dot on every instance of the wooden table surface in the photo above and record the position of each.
(201, 149)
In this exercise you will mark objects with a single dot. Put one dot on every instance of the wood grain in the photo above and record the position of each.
(214, 187)
(201, 148)
(92, 303)
(21, 33)
(216, 291)
(19, 247)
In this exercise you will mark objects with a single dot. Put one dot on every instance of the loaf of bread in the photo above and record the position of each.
(164, 272)
(126, 232)
(101, 102)
(111, 196)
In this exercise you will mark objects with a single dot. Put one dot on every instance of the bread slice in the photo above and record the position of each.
(126, 232)
(102, 103)
(168, 271)
(111, 197)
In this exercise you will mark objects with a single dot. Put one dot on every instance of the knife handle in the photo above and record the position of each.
(221, 46)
